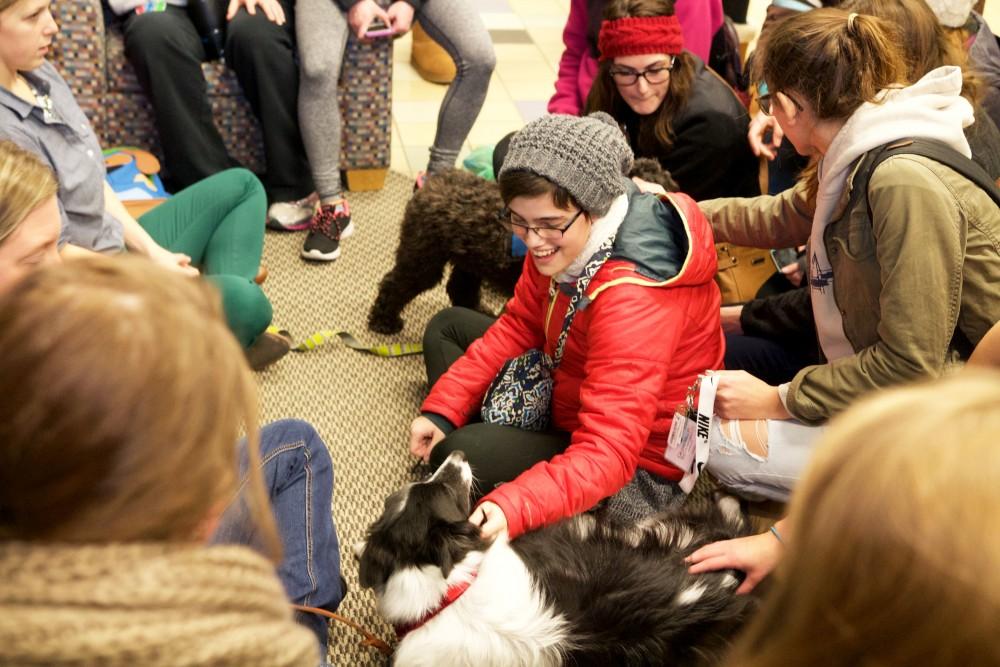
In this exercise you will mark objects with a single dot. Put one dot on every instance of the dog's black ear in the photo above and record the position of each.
(455, 540)
(375, 565)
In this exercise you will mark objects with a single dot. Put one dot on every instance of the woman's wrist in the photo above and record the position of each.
(778, 409)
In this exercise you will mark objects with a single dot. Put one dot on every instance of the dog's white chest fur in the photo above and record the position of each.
(500, 620)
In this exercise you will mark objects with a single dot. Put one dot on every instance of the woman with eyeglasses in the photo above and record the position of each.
(670, 105)
(629, 276)
(903, 265)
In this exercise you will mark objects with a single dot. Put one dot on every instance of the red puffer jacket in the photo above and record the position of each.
(651, 327)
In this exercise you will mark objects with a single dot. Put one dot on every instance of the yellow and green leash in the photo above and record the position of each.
(325, 336)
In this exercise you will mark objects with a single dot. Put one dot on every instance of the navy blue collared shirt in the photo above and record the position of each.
(62, 137)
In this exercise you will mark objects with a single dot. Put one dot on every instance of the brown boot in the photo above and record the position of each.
(430, 60)
(267, 349)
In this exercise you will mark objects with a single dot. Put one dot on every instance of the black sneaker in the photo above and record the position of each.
(329, 225)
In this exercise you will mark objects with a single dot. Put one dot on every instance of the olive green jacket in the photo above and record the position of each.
(927, 261)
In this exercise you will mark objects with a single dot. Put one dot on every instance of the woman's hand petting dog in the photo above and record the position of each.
(756, 555)
(491, 520)
(423, 436)
(742, 396)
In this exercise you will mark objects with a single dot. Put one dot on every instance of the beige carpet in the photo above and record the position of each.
(362, 405)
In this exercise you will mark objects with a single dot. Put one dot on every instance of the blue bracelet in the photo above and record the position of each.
(777, 535)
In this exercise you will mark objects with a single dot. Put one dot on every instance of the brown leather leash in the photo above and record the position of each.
(370, 638)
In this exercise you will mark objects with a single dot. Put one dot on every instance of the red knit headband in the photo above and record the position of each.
(639, 35)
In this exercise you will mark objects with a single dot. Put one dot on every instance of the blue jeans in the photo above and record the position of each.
(298, 476)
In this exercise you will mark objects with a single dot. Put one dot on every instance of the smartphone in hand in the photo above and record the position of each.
(784, 257)
(378, 29)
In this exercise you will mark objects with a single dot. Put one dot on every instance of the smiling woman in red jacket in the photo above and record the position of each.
(648, 325)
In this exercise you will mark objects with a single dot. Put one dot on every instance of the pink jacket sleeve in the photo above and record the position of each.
(700, 20)
(567, 99)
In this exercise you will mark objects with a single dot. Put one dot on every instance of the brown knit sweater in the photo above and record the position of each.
(145, 604)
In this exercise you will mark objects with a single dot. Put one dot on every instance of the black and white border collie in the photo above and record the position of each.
(581, 592)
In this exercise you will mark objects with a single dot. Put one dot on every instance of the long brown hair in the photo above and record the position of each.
(926, 46)
(833, 60)
(123, 394)
(25, 184)
(893, 537)
(655, 133)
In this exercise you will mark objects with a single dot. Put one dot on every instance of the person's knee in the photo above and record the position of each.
(295, 431)
(443, 322)
(155, 37)
(319, 66)
(459, 440)
(256, 37)
(481, 61)
(237, 185)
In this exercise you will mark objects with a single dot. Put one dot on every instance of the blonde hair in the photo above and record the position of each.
(893, 538)
(123, 394)
(25, 184)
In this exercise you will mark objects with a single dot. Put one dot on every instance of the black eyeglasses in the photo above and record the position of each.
(626, 76)
(764, 102)
(521, 229)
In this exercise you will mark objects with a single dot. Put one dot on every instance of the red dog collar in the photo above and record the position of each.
(453, 593)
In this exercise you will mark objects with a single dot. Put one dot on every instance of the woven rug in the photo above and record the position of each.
(361, 404)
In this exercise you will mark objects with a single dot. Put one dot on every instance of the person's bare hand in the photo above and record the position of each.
(759, 127)
(756, 555)
(361, 15)
(175, 261)
(424, 435)
(272, 9)
(730, 316)
(794, 273)
(742, 396)
(400, 17)
(491, 520)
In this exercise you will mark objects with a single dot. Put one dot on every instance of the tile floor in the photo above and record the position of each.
(527, 36)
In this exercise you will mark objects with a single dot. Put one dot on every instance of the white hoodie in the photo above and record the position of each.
(932, 108)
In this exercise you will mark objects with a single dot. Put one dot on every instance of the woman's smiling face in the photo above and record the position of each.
(551, 252)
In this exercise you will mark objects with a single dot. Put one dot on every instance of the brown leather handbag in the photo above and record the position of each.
(742, 272)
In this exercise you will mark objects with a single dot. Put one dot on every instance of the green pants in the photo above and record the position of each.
(219, 223)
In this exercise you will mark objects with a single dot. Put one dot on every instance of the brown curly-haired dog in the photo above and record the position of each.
(453, 219)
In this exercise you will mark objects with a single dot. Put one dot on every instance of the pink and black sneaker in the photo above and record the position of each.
(329, 225)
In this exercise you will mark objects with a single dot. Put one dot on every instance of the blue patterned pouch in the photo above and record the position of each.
(521, 393)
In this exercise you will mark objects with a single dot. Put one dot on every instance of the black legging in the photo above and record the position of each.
(497, 454)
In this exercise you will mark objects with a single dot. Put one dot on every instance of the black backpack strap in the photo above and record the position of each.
(942, 154)
(934, 150)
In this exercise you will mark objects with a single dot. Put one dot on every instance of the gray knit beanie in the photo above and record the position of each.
(587, 156)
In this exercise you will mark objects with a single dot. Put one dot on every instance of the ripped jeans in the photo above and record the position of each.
(760, 459)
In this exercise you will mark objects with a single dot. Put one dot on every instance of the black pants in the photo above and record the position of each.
(771, 361)
(497, 454)
(167, 53)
